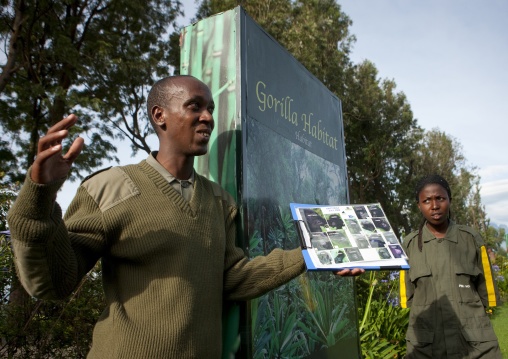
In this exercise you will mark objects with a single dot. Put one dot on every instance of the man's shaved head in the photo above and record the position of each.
(160, 95)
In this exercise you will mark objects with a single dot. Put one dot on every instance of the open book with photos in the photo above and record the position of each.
(349, 236)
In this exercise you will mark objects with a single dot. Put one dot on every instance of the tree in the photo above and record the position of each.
(494, 238)
(315, 32)
(90, 57)
(439, 153)
(8, 194)
(381, 135)
(46, 329)
(43, 329)
(387, 152)
(11, 20)
(94, 58)
(139, 51)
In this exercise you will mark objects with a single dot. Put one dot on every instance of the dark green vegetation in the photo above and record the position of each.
(97, 59)
(383, 322)
(499, 316)
(317, 310)
(94, 58)
(500, 322)
(31, 328)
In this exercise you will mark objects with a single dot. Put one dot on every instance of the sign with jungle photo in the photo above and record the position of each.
(350, 236)
(278, 139)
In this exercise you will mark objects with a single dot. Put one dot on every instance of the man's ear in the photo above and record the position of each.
(158, 116)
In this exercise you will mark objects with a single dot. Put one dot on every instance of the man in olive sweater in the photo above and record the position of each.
(165, 234)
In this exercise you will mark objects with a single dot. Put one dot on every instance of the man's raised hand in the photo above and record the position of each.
(50, 165)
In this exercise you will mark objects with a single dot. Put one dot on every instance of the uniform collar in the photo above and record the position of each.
(451, 233)
(152, 161)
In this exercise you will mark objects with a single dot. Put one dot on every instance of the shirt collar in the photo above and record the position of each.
(152, 161)
(451, 233)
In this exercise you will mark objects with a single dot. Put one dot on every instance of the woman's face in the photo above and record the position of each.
(434, 203)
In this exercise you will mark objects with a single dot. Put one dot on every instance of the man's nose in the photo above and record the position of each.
(206, 116)
(434, 203)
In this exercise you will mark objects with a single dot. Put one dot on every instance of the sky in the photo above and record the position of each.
(450, 59)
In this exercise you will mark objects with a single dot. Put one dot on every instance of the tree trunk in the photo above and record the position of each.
(12, 54)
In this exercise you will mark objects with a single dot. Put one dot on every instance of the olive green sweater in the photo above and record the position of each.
(167, 263)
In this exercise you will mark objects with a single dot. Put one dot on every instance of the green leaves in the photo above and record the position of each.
(42, 328)
(286, 326)
(375, 347)
(384, 325)
(97, 58)
(274, 336)
(385, 330)
(325, 328)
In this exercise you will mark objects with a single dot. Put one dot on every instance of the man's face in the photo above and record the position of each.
(434, 203)
(188, 117)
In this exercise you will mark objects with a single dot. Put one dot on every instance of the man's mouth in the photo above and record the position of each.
(205, 133)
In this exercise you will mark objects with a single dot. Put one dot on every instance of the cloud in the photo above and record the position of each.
(493, 173)
(494, 190)
(497, 212)
(495, 198)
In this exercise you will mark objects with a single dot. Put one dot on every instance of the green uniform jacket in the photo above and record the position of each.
(448, 286)
(167, 263)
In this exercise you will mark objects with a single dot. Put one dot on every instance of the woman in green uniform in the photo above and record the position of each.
(449, 283)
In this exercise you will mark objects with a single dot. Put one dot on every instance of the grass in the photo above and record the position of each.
(500, 322)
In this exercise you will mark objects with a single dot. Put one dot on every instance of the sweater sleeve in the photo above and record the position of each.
(247, 279)
(52, 257)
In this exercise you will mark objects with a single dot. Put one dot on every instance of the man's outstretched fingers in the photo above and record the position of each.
(50, 140)
(74, 150)
(64, 124)
(50, 164)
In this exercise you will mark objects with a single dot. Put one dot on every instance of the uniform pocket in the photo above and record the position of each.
(479, 334)
(466, 275)
(421, 277)
(416, 272)
(480, 343)
(419, 343)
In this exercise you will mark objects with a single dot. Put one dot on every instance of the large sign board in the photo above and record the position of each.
(284, 96)
(278, 139)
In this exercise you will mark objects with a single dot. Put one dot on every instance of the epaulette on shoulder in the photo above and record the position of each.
(407, 239)
(476, 235)
(95, 173)
(218, 191)
(110, 187)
